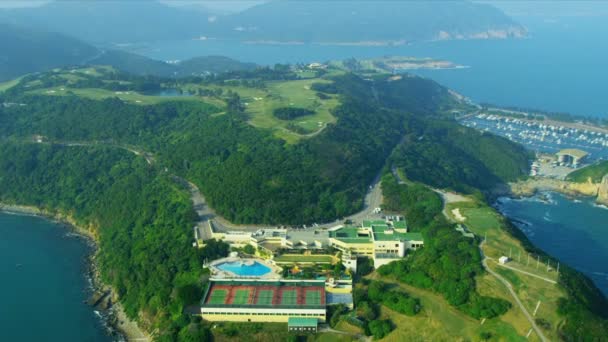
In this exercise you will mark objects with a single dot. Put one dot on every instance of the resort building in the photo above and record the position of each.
(265, 301)
(383, 241)
(273, 238)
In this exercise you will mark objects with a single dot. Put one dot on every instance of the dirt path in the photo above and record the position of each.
(512, 292)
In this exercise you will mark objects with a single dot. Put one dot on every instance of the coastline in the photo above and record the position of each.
(114, 316)
(531, 187)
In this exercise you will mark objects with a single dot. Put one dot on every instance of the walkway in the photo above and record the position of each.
(513, 294)
(528, 273)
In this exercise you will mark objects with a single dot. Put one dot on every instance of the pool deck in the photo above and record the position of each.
(274, 273)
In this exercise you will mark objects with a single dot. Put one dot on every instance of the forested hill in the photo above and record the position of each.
(250, 176)
(112, 22)
(26, 50)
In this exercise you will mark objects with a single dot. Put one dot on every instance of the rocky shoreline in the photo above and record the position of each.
(531, 187)
(103, 299)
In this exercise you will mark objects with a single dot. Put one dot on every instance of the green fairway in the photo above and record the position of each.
(218, 297)
(260, 104)
(4, 86)
(100, 94)
(292, 94)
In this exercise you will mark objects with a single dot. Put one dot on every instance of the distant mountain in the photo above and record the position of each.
(134, 64)
(212, 64)
(366, 21)
(124, 22)
(26, 50)
(105, 22)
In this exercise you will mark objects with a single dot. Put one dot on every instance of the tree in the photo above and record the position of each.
(249, 249)
(380, 328)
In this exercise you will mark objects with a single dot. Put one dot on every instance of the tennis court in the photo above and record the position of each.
(265, 297)
(289, 297)
(217, 297)
(241, 296)
(313, 297)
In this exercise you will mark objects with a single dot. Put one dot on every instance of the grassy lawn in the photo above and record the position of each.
(330, 337)
(295, 258)
(231, 331)
(438, 321)
(485, 221)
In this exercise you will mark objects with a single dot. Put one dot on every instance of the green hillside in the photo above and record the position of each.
(594, 172)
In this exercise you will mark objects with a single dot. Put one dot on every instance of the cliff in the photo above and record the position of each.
(602, 194)
(531, 186)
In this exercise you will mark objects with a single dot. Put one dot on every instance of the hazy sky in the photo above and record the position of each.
(555, 8)
(222, 6)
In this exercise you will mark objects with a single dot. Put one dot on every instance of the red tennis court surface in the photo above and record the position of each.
(265, 294)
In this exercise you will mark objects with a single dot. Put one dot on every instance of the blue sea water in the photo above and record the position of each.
(43, 285)
(562, 67)
(574, 231)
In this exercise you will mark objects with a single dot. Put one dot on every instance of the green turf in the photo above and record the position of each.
(289, 297)
(313, 297)
(241, 297)
(218, 297)
(265, 297)
(294, 258)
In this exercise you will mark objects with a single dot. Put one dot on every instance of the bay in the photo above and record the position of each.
(44, 285)
(573, 230)
(561, 67)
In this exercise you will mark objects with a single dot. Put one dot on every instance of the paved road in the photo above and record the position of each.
(513, 294)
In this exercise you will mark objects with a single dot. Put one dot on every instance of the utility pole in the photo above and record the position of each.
(558, 268)
(528, 264)
(510, 250)
(537, 261)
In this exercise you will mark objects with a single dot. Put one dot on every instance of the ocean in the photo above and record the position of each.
(573, 230)
(44, 285)
(561, 67)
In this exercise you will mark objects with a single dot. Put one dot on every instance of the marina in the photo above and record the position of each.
(543, 137)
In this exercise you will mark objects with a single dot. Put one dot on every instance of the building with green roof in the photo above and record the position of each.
(383, 241)
(302, 324)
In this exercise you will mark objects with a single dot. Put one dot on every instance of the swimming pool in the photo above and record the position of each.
(245, 268)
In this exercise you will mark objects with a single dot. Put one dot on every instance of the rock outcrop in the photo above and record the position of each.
(602, 193)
